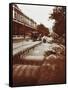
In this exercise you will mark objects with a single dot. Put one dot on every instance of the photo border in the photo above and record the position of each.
(11, 42)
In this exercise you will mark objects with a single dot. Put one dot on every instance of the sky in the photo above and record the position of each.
(40, 14)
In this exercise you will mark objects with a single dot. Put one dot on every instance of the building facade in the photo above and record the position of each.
(22, 24)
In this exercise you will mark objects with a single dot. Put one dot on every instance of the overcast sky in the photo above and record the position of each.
(40, 14)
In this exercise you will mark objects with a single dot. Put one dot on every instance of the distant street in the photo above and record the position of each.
(38, 50)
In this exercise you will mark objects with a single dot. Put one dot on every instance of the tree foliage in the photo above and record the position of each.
(59, 16)
(42, 29)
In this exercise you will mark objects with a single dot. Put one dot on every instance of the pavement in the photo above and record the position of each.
(37, 53)
(22, 43)
(22, 46)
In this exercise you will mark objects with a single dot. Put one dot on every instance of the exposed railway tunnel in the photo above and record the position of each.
(35, 67)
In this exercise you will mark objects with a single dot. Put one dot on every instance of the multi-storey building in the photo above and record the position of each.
(22, 24)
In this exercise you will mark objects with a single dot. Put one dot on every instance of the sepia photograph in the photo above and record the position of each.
(37, 44)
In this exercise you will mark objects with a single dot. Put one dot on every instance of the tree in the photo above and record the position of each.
(59, 16)
(42, 29)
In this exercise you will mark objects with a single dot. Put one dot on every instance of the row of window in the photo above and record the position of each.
(23, 19)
